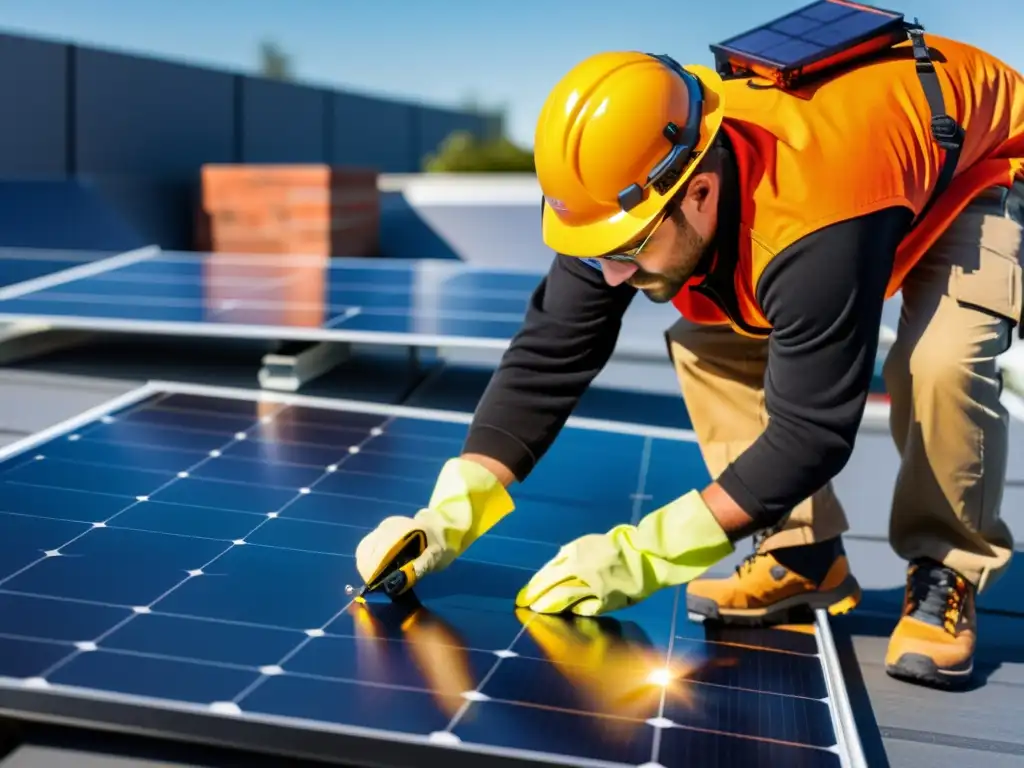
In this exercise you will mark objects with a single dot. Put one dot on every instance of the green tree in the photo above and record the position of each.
(462, 152)
(274, 63)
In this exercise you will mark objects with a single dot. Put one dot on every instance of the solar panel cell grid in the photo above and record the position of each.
(194, 550)
(393, 298)
(431, 303)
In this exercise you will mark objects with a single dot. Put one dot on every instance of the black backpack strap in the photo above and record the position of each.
(946, 131)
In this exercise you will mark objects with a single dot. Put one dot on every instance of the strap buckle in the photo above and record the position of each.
(947, 132)
(916, 34)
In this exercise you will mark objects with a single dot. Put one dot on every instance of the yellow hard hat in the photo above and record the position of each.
(616, 138)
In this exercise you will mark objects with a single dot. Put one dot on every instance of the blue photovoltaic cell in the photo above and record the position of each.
(759, 41)
(792, 50)
(439, 325)
(46, 303)
(499, 303)
(829, 11)
(439, 299)
(495, 281)
(793, 25)
(195, 550)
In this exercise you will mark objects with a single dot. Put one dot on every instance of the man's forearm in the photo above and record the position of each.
(736, 523)
(567, 336)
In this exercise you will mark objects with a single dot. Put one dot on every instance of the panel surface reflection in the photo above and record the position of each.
(445, 298)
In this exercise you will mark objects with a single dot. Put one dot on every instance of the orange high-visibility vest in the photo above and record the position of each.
(851, 146)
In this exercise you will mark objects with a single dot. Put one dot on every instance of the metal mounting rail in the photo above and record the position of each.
(851, 751)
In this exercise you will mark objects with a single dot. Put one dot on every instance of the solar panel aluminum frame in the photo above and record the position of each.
(731, 61)
(316, 741)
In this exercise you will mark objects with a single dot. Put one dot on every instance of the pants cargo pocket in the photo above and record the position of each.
(994, 284)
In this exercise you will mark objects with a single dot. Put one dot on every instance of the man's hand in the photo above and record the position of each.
(599, 573)
(468, 500)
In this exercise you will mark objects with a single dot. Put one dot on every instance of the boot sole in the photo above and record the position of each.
(920, 669)
(838, 601)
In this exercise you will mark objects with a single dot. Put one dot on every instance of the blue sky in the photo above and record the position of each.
(443, 50)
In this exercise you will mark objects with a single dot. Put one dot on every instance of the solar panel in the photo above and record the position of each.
(813, 38)
(176, 561)
(402, 302)
(293, 297)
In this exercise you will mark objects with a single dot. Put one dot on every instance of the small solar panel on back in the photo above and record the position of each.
(807, 38)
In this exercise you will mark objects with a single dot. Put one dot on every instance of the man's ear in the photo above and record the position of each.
(703, 189)
(701, 195)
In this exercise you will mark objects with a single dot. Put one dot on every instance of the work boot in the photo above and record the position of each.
(776, 586)
(933, 643)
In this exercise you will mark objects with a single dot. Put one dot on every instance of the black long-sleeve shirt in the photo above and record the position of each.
(823, 297)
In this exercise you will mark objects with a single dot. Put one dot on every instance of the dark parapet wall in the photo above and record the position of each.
(282, 122)
(34, 93)
(61, 215)
(142, 130)
(375, 133)
(138, 130)
(144, 116)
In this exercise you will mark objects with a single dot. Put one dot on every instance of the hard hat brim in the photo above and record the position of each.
(605, 236)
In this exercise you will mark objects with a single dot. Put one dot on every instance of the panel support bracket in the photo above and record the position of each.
(294, 364)
(24, 340)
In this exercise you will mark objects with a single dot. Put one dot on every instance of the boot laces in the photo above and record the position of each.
(935, 594)
(747, 565)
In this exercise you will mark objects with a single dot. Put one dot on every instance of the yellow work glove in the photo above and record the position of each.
(599, 573)
(468, 500)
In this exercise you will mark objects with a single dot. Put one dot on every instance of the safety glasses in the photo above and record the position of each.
(629, 255)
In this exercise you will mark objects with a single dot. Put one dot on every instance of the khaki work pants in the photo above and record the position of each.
(946, 417)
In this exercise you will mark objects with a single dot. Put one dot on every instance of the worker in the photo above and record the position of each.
(776, 222)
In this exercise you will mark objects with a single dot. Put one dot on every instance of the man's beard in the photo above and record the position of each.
(688, 253)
